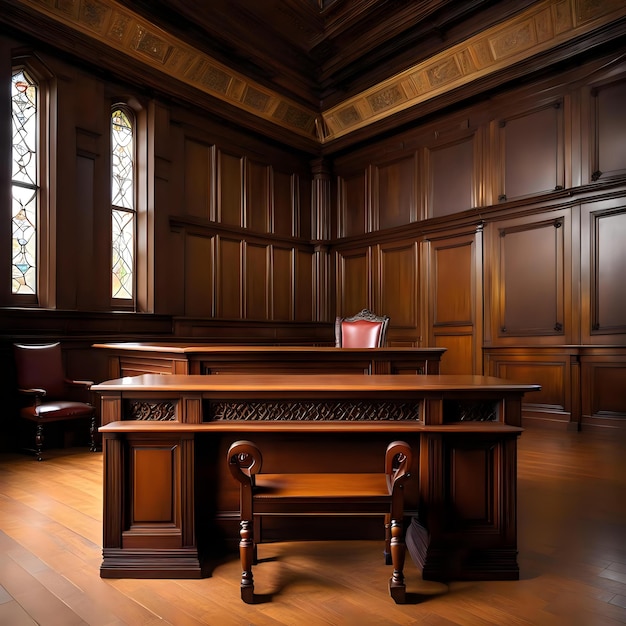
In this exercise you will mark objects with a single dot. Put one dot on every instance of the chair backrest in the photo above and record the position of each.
(363, 330)
(40, 367)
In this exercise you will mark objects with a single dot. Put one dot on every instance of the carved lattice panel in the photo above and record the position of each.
(312, 410)
(164, 411)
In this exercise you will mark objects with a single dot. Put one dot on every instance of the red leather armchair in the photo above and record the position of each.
(363, 330)
(47, 395)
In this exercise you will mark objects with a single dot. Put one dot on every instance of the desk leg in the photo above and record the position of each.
(468, 483)
(149, 507)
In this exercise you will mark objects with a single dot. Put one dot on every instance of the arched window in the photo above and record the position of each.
(24, 183)
(123, 210)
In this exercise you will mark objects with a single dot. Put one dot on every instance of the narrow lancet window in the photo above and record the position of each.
(123, 209)
(24, 183)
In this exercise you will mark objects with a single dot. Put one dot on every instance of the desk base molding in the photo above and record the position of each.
(152, 563)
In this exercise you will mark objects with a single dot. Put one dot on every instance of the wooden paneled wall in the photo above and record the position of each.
(246, 225)
(499, 230)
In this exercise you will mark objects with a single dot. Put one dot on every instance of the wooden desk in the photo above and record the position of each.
(131, 359)
(169, 500)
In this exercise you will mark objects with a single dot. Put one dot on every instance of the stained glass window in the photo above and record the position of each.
(24, 188)
(123, 210)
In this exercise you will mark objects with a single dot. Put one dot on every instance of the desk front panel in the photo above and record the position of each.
(131, 359)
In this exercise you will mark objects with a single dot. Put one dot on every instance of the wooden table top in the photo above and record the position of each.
(319, 383)
(190, 348)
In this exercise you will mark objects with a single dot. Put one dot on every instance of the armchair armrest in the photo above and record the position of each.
(86, 384)
(32, 397)
(35, 392)
(244, 461)
(397, 464)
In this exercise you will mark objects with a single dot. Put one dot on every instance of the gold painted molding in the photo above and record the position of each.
(125, 31)
(544, 25)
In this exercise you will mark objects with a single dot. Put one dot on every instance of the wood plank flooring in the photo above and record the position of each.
(572, 555)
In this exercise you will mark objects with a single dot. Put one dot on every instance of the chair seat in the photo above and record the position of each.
(57, 410)
(314, 494)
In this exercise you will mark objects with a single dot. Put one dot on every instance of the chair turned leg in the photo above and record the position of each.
(387, 552)
(39, 441)
(92, 435)
(246, 553)
(397, 588)
(256, 538)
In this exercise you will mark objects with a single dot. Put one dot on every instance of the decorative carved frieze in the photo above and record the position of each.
(313, 410)
(150, 411)
(469, 411)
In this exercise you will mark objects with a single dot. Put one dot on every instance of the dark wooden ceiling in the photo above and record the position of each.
(320, 51)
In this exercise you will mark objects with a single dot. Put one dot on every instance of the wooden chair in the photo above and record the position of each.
(310, 494)
(363, 330)
(48, 396)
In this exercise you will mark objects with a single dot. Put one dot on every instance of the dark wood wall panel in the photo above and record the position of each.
(80, 294)
(351, 205)
(399, 286)
(304, 296)
(608, 267)
(284, 211)
(451, 178)
(533, 149)
(198, 178)
(302, 207)
(282, 283)
(455, 296)
(230, 183)
(609, 149)
(557, 372)
(531, 280)
(603, 382)
(396, 200)
(199, 276)
(354, 269)
(460, 353)
(453, 283)
(603, 267)
(257, 196)
(257, 281)
(229, 285)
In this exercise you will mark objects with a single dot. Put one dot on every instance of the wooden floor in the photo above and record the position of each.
(572, 555)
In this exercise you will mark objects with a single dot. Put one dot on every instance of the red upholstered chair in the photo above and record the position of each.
(363, 330)
(48, 396)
